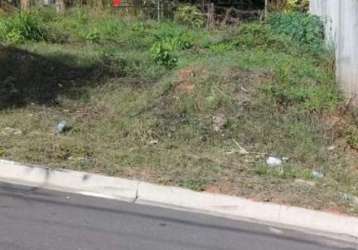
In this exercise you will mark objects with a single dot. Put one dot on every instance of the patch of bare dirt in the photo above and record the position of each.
(185, 83)
(87, 114)
(249, 82)
(185, 87)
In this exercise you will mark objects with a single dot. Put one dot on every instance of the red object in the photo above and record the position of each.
(116, 3)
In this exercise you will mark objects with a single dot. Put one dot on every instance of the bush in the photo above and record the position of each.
(189, 15)
(256, 35)
(21, 27)
(301, 27)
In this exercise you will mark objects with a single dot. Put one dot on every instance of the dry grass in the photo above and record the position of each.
(208, 124)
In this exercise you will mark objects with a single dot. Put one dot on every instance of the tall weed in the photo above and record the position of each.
(21, 27)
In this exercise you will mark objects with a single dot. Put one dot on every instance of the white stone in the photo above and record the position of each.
(273, 161)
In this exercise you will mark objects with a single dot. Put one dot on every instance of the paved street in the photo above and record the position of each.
(33, 219)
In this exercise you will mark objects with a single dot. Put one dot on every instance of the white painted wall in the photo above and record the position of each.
(341, 19)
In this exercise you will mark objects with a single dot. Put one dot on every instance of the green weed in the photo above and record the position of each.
(21, 27)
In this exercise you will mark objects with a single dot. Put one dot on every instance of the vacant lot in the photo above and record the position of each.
(181, 106)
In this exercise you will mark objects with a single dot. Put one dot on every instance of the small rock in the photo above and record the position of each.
(219, 122)
(230, 152)
(304, 182)
(273, 161)
(347, 197)
(153, 142)
(203, 138)
(350, 198)
(63, 127)
(355, 201)
(285, 158)
(317, 174)
(243, 151)
(331, 148)
(11, 131)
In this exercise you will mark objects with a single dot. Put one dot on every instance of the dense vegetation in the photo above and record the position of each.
(180, 104)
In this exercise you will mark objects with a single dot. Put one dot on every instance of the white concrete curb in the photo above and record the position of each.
(69, 181)
(239, 208)
(337, 226)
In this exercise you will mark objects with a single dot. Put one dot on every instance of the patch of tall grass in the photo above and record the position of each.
(21, 27)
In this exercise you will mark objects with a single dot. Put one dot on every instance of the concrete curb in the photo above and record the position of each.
(69, 181)
(337, 226)
(316, 222)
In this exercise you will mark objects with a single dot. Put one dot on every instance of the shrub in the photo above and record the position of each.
(301, 27)
(189, 15)
(256, 35)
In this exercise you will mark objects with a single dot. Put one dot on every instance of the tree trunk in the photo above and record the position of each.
(211, 15)
(25, 4)
(60, 6)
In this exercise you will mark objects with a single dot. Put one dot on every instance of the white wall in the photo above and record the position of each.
(341, 18)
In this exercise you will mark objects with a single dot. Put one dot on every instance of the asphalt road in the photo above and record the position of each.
(34, 219)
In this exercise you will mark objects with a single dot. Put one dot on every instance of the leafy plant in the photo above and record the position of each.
(178, 42)
(301, 27)
(163, 55)
(189, 15)
(163, 50)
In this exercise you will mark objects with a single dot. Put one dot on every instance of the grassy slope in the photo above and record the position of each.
(181, 126)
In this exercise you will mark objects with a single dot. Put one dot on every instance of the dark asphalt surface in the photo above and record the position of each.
(34, 219)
